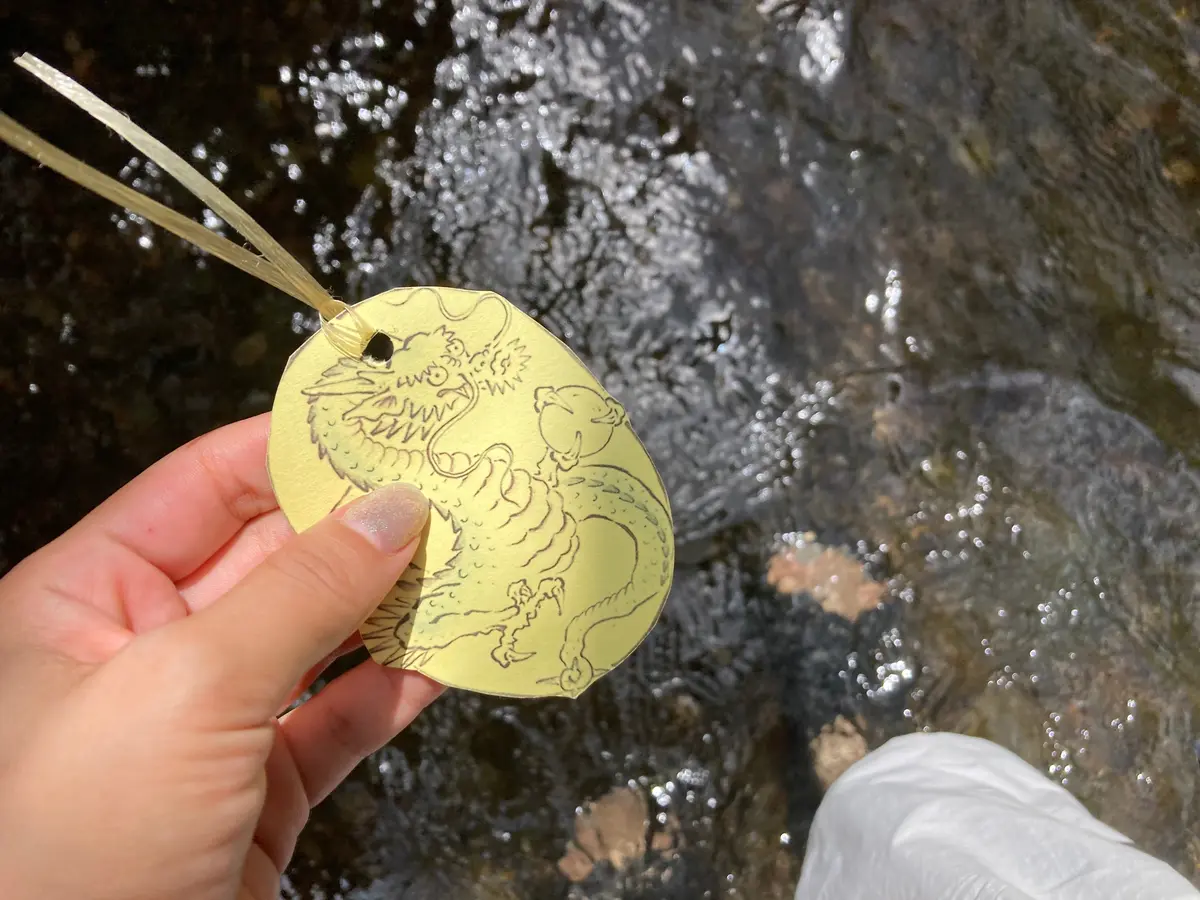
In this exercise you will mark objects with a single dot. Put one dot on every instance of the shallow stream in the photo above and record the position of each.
(913, 281)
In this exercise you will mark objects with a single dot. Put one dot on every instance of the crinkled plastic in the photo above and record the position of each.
(948, 817)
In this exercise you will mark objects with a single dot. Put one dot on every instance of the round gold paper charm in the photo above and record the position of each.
(550, 548)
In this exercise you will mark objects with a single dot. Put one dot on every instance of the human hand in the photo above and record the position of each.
(145, 657)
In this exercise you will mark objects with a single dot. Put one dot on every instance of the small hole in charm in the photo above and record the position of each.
(379, 348)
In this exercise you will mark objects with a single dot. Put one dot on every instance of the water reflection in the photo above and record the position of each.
(916, 279)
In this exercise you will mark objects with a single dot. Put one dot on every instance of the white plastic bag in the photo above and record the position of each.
(948, 817)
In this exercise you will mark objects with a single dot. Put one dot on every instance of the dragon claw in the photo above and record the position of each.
(614, 414)
(554, 462)
(526, 605)
(554, 589)
(520, 593)
(548, 396)
(506, 654)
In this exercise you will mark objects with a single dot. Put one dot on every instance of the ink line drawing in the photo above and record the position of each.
(515, 527)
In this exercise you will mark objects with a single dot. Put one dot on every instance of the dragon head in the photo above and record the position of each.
(423, 384)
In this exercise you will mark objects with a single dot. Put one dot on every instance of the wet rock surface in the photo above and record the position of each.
(915, 279)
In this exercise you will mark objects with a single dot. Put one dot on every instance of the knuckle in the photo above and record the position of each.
(344, 733)
(329, 568)
(241, 498)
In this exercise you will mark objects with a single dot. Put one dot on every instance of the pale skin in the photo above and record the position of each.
(147, 657)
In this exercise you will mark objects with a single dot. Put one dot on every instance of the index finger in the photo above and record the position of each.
(189, 504)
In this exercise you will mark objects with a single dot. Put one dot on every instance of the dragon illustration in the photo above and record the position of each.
(386, 421)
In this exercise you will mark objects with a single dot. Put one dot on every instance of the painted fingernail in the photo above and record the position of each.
(389, 517)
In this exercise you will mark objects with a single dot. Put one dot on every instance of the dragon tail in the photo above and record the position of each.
(613, 494)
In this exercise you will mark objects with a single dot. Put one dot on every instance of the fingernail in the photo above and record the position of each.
(389, 517)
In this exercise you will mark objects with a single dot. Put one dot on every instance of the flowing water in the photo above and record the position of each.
(916, 279)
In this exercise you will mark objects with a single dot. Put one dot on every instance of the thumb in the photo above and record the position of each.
(305, 599)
